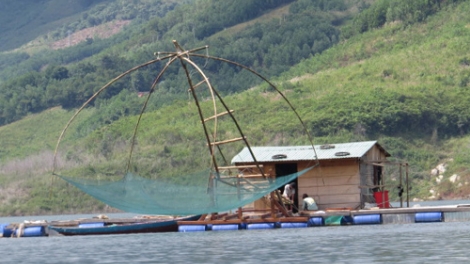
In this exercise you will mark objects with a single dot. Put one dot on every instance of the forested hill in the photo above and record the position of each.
(396, 71)
(26, 20)
(282, 34)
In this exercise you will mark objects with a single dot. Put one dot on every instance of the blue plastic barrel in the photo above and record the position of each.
(191, 228)
(316, 221)
(2, 227)
(429, 217)
(4, 231)
(294, 225)
(225, 227)
(91, 225)
(31, 231)
(372, 219)
(347, 220)
(34, 231)
(261, 226)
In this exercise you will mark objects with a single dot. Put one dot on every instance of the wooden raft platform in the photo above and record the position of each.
(76, 222)
(452, 213)
(263, 220)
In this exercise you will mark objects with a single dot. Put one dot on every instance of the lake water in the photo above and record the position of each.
(401, 243)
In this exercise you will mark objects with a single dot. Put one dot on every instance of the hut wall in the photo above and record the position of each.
(367, 174)
(333, 184)
(336, 183)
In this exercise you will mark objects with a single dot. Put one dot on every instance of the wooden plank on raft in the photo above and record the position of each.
(289, 219)
(330, 206)
(229, 221)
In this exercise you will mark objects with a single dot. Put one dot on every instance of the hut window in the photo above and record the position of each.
(279, 156)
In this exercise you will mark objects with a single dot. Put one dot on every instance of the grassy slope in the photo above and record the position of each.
(26, 183)
(32, 134)
(353, 68)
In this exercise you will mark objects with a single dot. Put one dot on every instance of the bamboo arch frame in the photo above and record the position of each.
(183, 56)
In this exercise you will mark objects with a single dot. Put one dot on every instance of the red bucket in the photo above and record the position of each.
(381, 198)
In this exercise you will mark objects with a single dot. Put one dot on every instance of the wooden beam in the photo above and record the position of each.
(240, 167)
(199, 83)
(281, 207)
(227, 141)
(251, 176)
(220, 114)
(203, 217)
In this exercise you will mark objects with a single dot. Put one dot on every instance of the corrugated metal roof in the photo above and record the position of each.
(296, 153)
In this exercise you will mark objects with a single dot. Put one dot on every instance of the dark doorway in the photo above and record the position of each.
(285, 169)
(378, 179)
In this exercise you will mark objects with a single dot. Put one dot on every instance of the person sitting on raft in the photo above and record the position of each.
(309, 203)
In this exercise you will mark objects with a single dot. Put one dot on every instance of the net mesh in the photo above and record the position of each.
(140, 195)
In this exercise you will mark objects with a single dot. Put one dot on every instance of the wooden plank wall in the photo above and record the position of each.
(367, 173)
(333, 184)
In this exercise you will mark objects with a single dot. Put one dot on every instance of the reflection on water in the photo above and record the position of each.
(392, 243)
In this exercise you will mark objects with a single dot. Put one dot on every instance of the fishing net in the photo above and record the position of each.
(140, 195)
(176, 160)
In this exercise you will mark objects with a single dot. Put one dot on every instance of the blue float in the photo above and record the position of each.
(316, 221)
(91, 225)
(31, 231)
(191, 228)
(225, 227)
(372, 219)
(261, 226)
(294, 225)
(347, 220)
(34, 231)
(428, 217)
(4, 231)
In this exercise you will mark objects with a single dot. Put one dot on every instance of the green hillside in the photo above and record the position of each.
(402, 82)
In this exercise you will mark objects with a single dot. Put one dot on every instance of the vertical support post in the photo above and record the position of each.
(238, 186)
(401, 185)
(211, 188)
(240, 213)
(407, 187)
(272, 205)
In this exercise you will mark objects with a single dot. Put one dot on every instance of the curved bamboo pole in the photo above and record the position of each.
(92, 98)
(275, 88)
(184, 57)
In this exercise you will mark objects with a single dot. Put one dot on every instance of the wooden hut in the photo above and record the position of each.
(347, 175)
